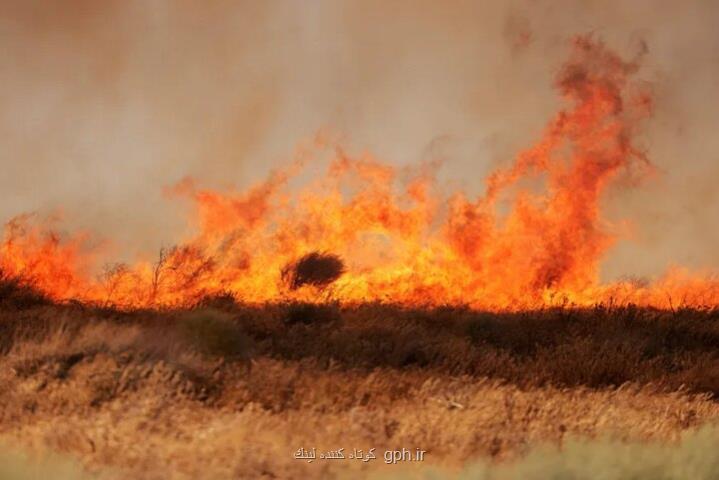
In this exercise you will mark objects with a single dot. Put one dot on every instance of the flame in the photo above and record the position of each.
(402, 240)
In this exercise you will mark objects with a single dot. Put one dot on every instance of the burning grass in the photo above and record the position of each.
(407, 237)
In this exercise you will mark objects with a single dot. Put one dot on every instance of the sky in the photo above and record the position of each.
(105, 103)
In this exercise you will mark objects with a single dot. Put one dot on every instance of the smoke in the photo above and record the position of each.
(104, 103)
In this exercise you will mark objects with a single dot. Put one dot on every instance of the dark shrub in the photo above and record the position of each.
(316, 268)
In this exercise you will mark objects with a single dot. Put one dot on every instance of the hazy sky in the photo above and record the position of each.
(105, 102)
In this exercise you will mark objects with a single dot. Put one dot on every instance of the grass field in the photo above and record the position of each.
(231, 391)
(335, 240)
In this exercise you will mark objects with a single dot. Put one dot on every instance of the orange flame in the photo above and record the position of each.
(403, 241)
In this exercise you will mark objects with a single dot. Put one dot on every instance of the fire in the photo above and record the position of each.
(401, 239)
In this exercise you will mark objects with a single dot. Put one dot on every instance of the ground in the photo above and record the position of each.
(225, 390)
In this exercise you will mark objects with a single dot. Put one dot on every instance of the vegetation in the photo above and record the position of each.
(234, 392)
(693, 458)
(18, 293)
(213, 332)
(15, 465)
(315, 268)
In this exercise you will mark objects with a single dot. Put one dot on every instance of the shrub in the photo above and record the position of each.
(318, 269)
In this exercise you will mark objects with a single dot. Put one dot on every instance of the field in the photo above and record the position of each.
(225, 390)
(359, 239)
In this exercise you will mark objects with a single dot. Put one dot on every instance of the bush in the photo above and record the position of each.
(316, 268)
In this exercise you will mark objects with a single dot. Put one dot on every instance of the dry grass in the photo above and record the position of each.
(17, 465)
(213, 332)
(692, 458)
(18, 293)
(234, 394)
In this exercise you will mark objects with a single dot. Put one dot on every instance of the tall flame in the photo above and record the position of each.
(536, 236)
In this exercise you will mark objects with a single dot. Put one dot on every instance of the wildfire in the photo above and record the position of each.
(401, 241)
